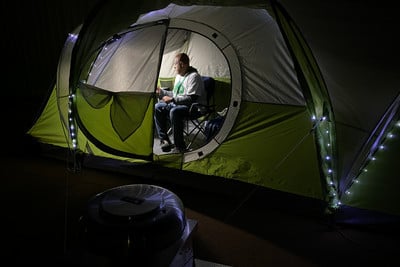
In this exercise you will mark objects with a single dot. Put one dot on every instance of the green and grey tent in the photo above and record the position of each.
(278, 126)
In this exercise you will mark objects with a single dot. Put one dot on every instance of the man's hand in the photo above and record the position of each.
(167, 99)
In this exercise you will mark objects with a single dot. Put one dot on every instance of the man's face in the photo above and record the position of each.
(178, 66)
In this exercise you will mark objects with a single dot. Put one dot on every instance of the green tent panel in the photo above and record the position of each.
(114, 123)
(275, 149)
(49, 128)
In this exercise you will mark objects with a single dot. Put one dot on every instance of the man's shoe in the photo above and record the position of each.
(179, 150)
(165, 145)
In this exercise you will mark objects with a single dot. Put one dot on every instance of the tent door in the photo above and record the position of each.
(115, 102)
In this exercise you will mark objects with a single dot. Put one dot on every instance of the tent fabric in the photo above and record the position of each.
(275, 149)
(377, 162)
(279, 127)
(268, 56)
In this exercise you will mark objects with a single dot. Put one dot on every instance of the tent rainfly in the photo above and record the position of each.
(278, 127)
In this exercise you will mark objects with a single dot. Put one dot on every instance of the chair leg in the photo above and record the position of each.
(193, 134)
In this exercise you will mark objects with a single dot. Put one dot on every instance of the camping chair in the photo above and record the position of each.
(199, 114)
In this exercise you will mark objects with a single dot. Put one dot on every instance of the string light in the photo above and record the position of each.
(72, 131)
(323, 127)
(372, 158)
(71, 116)
(73, 36)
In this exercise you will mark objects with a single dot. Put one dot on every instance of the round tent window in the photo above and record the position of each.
(212, 56)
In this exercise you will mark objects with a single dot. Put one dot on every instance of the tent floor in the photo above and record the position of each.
(42, 202)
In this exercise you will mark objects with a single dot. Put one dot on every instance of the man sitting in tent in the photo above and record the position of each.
(174, 105)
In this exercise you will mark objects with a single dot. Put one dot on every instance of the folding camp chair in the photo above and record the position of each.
(199, 114)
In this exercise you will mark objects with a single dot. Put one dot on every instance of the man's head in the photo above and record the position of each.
(181, 63)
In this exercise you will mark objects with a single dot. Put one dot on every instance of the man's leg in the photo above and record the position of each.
(161, 112)
(177, 115)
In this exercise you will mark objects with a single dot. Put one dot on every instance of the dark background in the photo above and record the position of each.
(34, 33)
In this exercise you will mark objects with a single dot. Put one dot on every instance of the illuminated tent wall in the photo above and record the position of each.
(279, 130)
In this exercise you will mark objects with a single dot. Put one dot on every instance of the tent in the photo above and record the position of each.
(279, 128)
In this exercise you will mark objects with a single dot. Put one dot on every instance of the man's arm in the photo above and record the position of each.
(163, 92)
(185, 99)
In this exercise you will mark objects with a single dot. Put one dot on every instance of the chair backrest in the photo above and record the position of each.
(209, 86)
